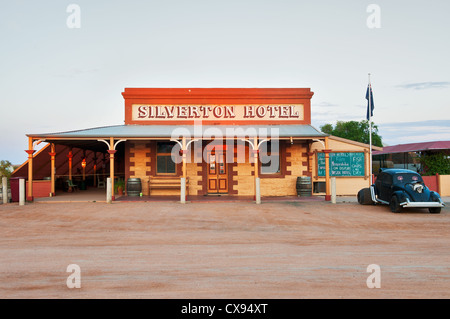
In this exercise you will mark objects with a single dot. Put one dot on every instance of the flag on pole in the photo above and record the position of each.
(370, 105)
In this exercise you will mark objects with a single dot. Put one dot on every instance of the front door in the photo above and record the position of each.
(217, 173)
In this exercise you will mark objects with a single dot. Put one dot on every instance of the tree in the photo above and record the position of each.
(5, 168)
(327, 128)
(355, 131)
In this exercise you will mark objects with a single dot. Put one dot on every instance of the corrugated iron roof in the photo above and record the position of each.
(169, 131)
(414, 147)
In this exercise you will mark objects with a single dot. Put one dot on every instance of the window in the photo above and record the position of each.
(270, 157)
(164, 162)
(386, 179)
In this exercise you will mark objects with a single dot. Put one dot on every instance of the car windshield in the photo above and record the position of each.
(407, 178)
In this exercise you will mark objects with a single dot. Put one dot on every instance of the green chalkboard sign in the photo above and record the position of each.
(342, 164)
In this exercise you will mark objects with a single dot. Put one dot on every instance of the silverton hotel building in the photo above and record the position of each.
(188, 142)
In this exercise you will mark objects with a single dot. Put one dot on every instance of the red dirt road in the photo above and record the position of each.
(222, 250)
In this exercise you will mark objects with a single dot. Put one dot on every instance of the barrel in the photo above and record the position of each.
(134, 187)
(304, 186)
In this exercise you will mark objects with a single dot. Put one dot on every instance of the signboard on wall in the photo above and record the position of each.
(345, 164)
(278, 112)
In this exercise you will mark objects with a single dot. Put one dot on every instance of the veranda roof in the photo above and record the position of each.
(169, 131)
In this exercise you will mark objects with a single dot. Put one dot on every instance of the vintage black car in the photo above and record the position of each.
(400, 188)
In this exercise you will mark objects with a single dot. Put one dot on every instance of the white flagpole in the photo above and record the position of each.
(369, 107)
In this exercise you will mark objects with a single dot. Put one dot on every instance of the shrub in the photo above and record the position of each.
(435, 163)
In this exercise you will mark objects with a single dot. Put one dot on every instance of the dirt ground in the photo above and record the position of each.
(222, 250)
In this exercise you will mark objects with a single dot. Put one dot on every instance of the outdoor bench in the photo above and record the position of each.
(166, 182)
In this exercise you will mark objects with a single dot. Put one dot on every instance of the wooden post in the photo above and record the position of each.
(111, 152)
(95, 169)
(327, 171)
(257, 183)
(70, 157)
(83, 165)
(438, 184)
(52, 167)
(184, 156)
(183, 179)
(30, 153)
(255, 155)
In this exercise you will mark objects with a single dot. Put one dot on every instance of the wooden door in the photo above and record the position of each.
(217, 173)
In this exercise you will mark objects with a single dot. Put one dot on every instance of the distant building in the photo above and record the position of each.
(407, 155)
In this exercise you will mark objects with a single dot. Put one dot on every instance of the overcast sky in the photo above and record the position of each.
(56, 78)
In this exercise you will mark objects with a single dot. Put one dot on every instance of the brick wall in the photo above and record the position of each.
(139, 154)
(294, 160)
(241, 176)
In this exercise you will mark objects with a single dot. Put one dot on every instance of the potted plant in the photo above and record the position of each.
(119, 187)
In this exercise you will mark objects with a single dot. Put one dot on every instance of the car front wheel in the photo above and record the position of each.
(394, 205)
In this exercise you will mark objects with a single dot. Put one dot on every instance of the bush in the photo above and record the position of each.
(120, 183)
(435, 163)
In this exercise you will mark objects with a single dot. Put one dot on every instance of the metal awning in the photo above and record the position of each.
(189, 131)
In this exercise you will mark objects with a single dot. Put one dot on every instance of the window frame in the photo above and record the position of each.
(282, 158)
(157, 154)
